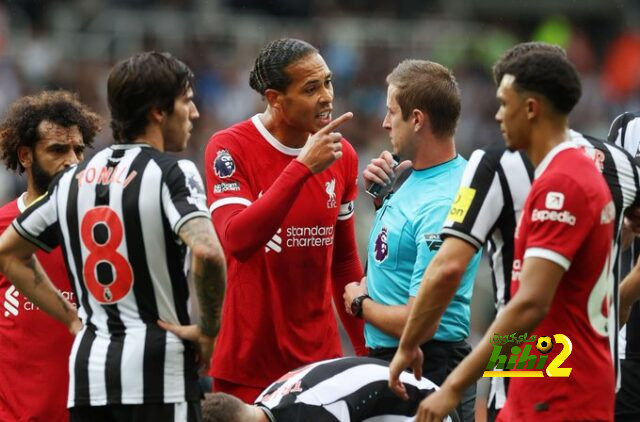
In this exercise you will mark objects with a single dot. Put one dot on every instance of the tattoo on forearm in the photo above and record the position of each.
(209, 274)
(37, 272)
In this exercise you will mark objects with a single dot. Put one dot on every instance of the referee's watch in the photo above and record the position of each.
(356, 305)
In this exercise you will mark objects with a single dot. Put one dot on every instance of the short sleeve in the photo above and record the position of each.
(426, 230)
(225, 175)
(560, 218)
(625, 132)
(351, 181)
(39, 222)
(183, 196)
(479, 201)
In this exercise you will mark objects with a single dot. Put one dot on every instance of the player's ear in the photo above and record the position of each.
(274, 98)
(419, 119)
(532, 107)
(25, 156)
(156, 115)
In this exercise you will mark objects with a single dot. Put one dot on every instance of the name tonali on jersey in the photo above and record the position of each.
(106, 176)
(117, 218)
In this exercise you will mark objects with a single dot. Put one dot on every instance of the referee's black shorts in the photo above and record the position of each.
(628, 398)
(156, 412)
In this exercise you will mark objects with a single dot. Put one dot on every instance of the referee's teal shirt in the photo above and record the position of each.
(405, 237)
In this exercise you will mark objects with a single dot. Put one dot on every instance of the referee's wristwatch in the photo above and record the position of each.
(356, 305)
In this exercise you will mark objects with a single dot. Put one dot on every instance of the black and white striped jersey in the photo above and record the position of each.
(625, 132)
(116, 217)
(342, 390)
(492, 193)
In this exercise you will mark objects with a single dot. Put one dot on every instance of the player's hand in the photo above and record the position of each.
(192, 333)
(323, 147)
(352, 291)
(438, 405)
(403, 359)
(75, 326)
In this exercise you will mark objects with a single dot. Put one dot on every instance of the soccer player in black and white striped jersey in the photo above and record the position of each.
(625, 132)
(347, 389)
(492, 194)
(124, 220)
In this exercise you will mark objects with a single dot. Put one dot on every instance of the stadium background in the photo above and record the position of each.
(71, 44)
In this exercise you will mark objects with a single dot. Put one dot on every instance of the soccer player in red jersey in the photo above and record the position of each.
(280, 188)
(41, 135)
(561, 269)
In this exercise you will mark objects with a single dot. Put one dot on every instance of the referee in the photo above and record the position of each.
(124, 220)
(488, 206)
(348, 389)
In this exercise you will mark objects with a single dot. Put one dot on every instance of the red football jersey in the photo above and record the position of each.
(568, 219)
(34, 347)
(277, 313)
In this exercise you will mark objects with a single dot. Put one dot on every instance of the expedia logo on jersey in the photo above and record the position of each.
(301, 237)
(12, 306)
(223, 165)
(554, 202)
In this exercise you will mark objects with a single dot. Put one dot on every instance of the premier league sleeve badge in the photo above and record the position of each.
(223, 165)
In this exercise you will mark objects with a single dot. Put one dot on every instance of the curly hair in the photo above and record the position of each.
(545, 72)
(20, 125)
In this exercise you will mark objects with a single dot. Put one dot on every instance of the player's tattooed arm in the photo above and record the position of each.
(20, 266)
(208, 269)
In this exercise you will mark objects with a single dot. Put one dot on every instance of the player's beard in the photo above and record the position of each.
(41, 179)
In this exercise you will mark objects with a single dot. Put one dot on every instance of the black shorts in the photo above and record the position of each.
(156, 412)
(628, 398)
(440, 359)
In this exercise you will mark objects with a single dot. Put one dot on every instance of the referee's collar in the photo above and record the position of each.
(566, 144)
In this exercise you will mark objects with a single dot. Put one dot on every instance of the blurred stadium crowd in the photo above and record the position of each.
(71, 44)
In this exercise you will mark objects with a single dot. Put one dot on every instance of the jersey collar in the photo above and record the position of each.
(566, 144)
(267, 412)
(21, 204)
(127, 146)
(272, 140)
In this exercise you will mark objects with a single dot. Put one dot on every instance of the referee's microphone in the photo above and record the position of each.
(376, 188)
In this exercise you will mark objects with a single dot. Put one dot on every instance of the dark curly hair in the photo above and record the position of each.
(138, 84)
(546, 73)
(20, 125)
(520, 49)
(269, 70)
